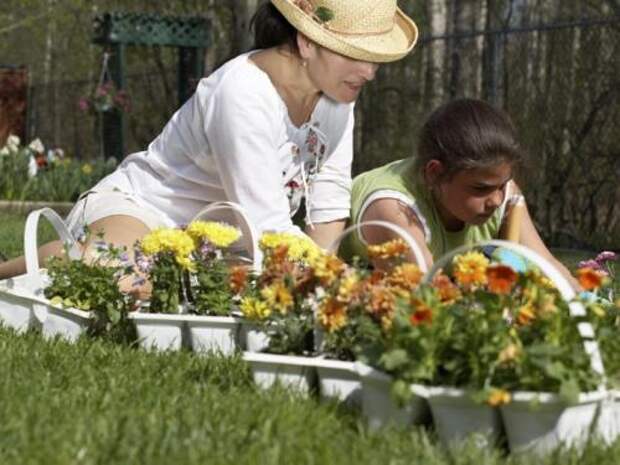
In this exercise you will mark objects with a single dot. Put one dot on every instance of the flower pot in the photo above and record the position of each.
(159, 331)
(456, 416)
(380, 408)
(252, 338)
(66, 323)
(608, 422)
(540, 422)
(16, 311)
(294, 372)
(339, 380)
(213, 333)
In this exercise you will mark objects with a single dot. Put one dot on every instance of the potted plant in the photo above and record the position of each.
(164, 256)
(281, 305)
(84, 294)
(214, 288)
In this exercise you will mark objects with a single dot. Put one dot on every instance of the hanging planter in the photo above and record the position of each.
(457, 416)
(294, 372)
(381, 409)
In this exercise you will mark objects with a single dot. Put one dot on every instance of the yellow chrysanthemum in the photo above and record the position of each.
(405, 276)
(254, 309)
(299, 248)
(526, 314)
(498, 397)
(219, 234)
(278, 296)
(470, 269)
(327, 268)
(171, 240)
(348, 287)
(332, 315)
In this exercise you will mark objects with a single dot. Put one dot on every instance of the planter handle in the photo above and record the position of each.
(411, 242)
(550, 271)
(31, 252)
(248, 230)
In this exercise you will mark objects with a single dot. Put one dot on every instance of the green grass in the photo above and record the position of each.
(96, 402)
(12, 233)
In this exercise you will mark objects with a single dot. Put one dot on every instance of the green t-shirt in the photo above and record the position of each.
(397, 176)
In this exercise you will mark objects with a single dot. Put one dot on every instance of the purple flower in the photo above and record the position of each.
(593, 264)
(606, 256)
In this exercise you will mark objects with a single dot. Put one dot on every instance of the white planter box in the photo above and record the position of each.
(66, 323)
(213, 333)
(159, 331)
(378, 406)
(339, 380)
(456, 416)
(540, 422)
(608, 422)
(294, 372)
(16, 311)
(251, 338)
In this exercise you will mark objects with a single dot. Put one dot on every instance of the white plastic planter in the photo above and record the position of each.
(541, 422)
(159, 331)
(608, 422)
(457, 416)
(66, 323)
(339, 380)
(294, 372)
(252, 338)
(218, 334)
(378, 406)
(22, 302)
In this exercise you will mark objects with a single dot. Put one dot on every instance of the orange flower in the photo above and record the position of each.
(332, 315)
(423, 314)
(448, 291)
(238, 278)
(590, 279)
(406, 276)
(470, 269)
(498, 397)
(501, 279)
(526, 314)
(327, 268)
(390, 249)
(509, 353)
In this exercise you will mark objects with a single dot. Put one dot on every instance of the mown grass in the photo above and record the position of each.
(96, 402)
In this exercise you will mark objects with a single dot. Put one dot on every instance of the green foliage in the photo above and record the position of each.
(167, 277)
(93, 286)
(212, 294)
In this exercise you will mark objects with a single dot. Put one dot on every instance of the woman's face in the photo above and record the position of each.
(472, 196)
(337, 76)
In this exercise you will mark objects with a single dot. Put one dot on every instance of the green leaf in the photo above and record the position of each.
(324, 14)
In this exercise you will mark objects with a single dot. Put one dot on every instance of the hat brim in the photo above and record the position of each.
(376, 48)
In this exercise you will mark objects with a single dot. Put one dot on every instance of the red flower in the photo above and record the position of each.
(501, 279)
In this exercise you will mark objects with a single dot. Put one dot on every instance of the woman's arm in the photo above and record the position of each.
(324, 234)
(396, 212)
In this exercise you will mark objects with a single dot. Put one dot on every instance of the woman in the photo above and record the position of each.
(456, 190)
(266, 129)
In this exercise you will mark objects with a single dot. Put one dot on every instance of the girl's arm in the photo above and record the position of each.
(324, 234)
(396, 212)
(529, 237)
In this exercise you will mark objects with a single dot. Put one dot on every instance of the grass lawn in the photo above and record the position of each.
(95, 402)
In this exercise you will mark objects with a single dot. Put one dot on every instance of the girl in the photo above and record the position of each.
(266, 129)
(456, 190)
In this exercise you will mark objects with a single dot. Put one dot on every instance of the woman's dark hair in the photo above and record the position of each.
(271, 28)
(466, 134)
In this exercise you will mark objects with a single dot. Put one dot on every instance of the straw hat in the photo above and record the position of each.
(367, 30)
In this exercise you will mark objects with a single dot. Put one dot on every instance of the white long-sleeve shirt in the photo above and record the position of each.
(233, 140)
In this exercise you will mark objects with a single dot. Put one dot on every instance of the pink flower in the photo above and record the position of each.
(83, 104)
(606, 256)
(593, 264)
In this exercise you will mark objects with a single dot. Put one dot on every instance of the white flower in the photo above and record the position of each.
(32, 167)
(13, 143)
(4, 151)
(36, 146)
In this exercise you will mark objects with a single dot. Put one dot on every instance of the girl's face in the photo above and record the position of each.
(339, 77)
(472, 196)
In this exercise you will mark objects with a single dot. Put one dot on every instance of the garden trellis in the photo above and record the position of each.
(115, 31)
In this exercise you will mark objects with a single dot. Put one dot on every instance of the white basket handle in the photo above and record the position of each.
(408, 238)
(248, 230)
(31, 250)
(550, 271)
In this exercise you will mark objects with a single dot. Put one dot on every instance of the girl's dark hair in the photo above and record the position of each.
(271, 28)
(466, 134)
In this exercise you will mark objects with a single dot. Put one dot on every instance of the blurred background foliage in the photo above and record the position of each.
(552, 64)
